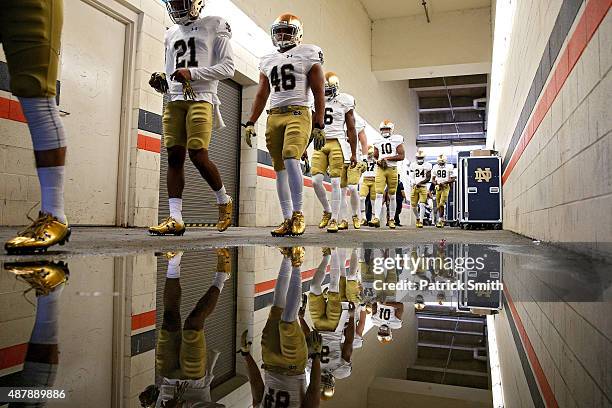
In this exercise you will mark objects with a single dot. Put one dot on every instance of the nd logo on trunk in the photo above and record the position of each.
(483, 175)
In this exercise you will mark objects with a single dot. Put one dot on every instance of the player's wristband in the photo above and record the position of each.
(313, 355)
(319, 126)
(249, 123)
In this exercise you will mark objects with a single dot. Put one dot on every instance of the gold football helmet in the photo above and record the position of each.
(370, 152)
(184, 11)
(441, 160)
(286, 31)
(332, 84)
(420, 156)
(386, 128)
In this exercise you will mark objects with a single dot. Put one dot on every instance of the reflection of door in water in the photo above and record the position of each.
(91, 85)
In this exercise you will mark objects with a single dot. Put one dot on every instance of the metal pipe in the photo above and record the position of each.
(424, 3)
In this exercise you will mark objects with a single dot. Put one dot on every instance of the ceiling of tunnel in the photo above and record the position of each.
(380, 9)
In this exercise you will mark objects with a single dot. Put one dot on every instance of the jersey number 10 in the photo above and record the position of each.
(386, 148)
(384, 314)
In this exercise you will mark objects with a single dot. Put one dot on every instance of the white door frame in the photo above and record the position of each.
(127, 134)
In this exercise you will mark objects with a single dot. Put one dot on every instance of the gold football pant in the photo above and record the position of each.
(329, 156)
(181, 354)
(418, 195)
(188, 123)
(283, 345)
(287, 135)
(386, 177)
(368, 188)
(442, 195)
(325, 314)
(30, 33)
(349, 290)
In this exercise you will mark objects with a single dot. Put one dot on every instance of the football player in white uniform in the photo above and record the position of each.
(368, 187)
(181, 354)
(354, 173)
(290, 77)
(334, 319)
(339, 113)
(387, 316)
(388, 151)
(284, 347)
(442, 175)
(198, 55)
(419, 174)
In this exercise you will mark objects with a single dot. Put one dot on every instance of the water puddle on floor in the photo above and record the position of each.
(347, 325)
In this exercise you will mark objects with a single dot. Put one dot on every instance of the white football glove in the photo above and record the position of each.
(249, 132)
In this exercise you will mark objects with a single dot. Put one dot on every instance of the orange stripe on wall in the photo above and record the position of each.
(151, 144)
(13, 355)
(590, 20)
(11, 110)
(143, 320)
(545, 389)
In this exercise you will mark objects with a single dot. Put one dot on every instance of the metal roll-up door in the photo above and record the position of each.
(224, 151)
(197, 272)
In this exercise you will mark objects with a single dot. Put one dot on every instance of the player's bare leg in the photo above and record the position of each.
(210, 173)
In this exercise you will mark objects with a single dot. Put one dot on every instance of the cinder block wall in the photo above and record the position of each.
(554, 124)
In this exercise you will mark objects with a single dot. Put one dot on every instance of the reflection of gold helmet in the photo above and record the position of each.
(441, 160)
(368, 308)
(332, 84)
(287, 30)
(419, 302)
(384, 334)
(328, 386)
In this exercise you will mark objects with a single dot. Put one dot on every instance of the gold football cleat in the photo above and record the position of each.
(169, 226)
(325, 219)
(297, 255)
(375, 222)
(440, 224)
(343, 225)
(391, 224)
(364, 222)
(225, 215)
(171, 254)
(419, 224)
(356, 222)
(332, 226)
(43, 276)
(298, 224)
(224, 264)
(283, 229)
(44, 232)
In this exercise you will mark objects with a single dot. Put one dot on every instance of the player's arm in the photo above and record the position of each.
(349, 336)
(261, 98)
(363, 140)
(362, 322)
(312, 398)
(223, 57)
(400, 154)
(351, 132)
(399, 309)
(255, 380)
(316, 80)
(376, 152)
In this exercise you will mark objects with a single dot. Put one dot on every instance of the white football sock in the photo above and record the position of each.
(392, 207)
(296, 182)
(343, 204)
(319, 188)
(335, 198)
(221, 195)
(282, 189)
(422, 211)
(282, 282)
(174, 267)
(219, 280)
(46, 325)
(51, 180)
(319, 276)
(342, 261)
(362, 206)
(45, 126)
(378, 204)
(354, 194)
(415, 211)
(353, 265)
(176, 208)
(294, 296)
(334, 272)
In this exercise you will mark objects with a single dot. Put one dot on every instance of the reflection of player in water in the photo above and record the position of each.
(333, 315)
(181, 355)
(285, 349)
(47, 279)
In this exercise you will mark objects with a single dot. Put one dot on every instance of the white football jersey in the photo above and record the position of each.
(418, 172)
(387, 147)
(287, 73)
(283, 390)
(331, 355)
(443, 173)
(204, 47)
(336, 109)
(371, 167)
(385, 314)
